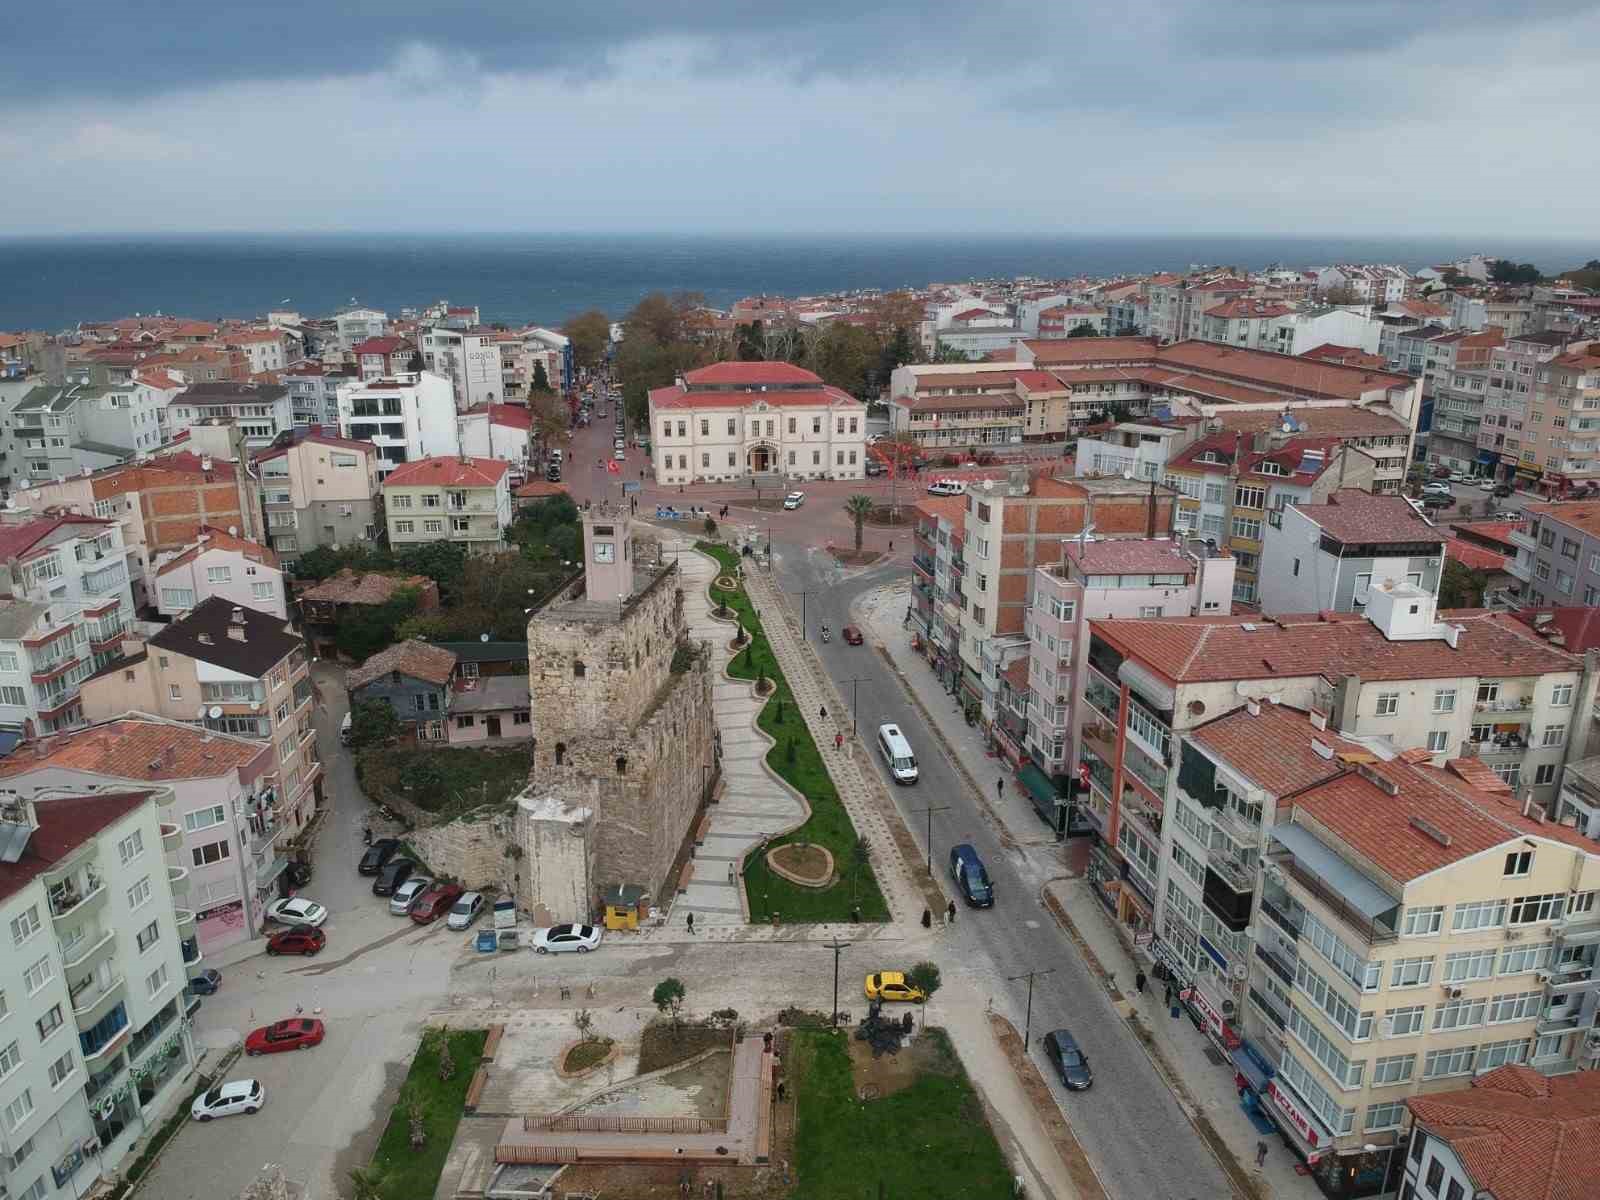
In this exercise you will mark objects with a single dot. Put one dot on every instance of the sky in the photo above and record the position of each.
(1464, 117)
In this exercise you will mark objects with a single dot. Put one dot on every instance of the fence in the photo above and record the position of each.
(573, 1123)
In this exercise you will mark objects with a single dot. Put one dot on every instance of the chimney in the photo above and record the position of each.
(237, 616)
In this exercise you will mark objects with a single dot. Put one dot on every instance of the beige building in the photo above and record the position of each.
(464, 500)
(317, 490)
(242, 669)
(976, 405)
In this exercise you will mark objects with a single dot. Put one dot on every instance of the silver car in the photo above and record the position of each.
(406, 894)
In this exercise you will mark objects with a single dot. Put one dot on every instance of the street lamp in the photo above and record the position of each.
(838, 948)
(1027, 1020)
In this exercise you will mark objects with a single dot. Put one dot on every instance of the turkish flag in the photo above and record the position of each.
(614, 467)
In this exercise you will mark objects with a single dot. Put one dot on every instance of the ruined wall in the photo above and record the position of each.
(472, 852)
(555, 875)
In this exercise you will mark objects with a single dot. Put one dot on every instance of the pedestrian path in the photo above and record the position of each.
(754, 803)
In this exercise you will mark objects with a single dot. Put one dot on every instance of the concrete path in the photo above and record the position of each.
(754, 804)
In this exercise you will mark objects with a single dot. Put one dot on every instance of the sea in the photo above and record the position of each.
(51, 284)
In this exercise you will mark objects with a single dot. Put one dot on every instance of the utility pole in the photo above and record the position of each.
(930, 810)
(838, 948)
(1027, 1020)
(853, 686)
(802, 595)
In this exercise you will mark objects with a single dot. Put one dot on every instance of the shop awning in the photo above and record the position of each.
(1337, 875)
(1037, 783)
(1254, 1069)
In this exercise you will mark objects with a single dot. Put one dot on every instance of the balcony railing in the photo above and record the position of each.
(925, 565)
(1368, 930)
(1103, 698)
(89, 998)
(1151, 774)
(105, 1035)
(1504, 704)
(71, 895)
(1283, 970)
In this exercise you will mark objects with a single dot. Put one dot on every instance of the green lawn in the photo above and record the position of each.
(444, 780)
(405, 1174)
(930, 1139)
(829, 825)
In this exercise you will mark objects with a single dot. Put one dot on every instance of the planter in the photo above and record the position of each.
(561, 1059)
(808, 866)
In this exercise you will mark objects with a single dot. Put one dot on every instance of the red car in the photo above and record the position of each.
(435, 902)
(852, 635)
(299, 940)
(298, 1034)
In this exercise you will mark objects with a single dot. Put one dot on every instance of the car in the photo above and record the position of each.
(1457, 477)
(467, 909)
(876, 467)
(968, 872)
(892, 985)
(618, 442)
(378, 855)
(394, 873)
(1486, 485)
(408, 893)
(435, 902)
(235, 1096)
(299, 940)
(297, 911)
(206, 982)
(298, 872)
(1509, 514)
(851, 635)
(301, 1033)
(947, 487)
(1069, 1060)
(558, 939)
(1502, 490)
(794, 500)
(1435, 500)
(346, 732)
(620, 455)
(1438, 485)
(552, 475)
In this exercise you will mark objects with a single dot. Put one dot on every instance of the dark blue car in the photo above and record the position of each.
(206, 982)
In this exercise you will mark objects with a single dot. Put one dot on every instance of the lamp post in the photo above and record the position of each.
(838, 948)
(802, 595)
(1027, 1020)
(853, 687)
(930, 810)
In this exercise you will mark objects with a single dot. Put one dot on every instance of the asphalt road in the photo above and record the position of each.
(1129, 1123)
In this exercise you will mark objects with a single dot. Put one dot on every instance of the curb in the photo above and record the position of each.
(1068, 1149)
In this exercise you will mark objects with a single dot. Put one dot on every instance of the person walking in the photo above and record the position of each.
(950, 913)
(1261, 1154)
(823, 712)
(1139, 980)
(838, 741)
(690, 922)
(1000, 788)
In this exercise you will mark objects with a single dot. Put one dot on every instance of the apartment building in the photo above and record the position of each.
(405, 417)
(357, 324)
(462, 500)
(99, 1049)
(1457, 382)
(1232, 490)
(1564, 418)
(260, 410)
(217, 825)
(1064, 320)
(1558, 554)
(937, 566)
(1507, 448)
(314, 392)
(1178, 303)
(468, 359)
(1039, 724)
(317, 490)
(221, 565)
(964, 409)
(1369, 283)
(1512, 314)
(226, 662)
(554, 350)
(500, 431)
(57, 431)
(1133, 449)
(1329, 556)
(46, 652)
(266, 349)
(1012, 526)
(383, 357)
(734, 420)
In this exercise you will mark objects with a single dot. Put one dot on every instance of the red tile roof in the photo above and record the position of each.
(64, 825)
(1278, 371)
(448, 472)
(1522, 1135)
(380, 345)
(1065, 352)
(1129, 556)
(17, 540)
(1246, 307)
(416, 659)
(370, 587)
(1476, 558)
(321, 439)
(1349, 356)
(134, 747)
(748, 374)
(676, 397)
(513, 416)
(1577, 627)
(536, 489)
(1354, 516)
(182, 469)
(1340, 422)
(948, 508)
(1017, 674)
(1579, 514)
(1274, 748)
(221, 539)
(1211, 649)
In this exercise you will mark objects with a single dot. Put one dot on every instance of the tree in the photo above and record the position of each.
(895, 311)
(860, 857)
(364, 629)
(583, 1021)
(541, 378)
(668, 998)
(943, 353)
(1460, 586)
(925, 977)
(590, 334)
(844, 355)
(318, 563)
(547, 418)
(372, 723)
(366, 1183)
(1503, 270)
(860, 508)
(1083, 330)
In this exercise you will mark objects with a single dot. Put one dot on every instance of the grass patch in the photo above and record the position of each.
(661, 1047)
(444, 781)
(404, 1173)
(933, 1131)
(586, 1054)
(795, 757)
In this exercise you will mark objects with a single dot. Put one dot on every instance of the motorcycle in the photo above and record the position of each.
(824, 633)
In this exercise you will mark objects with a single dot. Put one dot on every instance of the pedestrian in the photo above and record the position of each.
(927, 919)
(1000, 787)
(780, 1090)
(891, 547)
(838, 741)
(690, 922)
(823, 712)
(951, 912)
(1169, 995)
(730, 873)
(1261, 1154)
(1138, 980)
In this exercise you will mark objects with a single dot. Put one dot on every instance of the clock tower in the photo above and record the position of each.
(607, 553)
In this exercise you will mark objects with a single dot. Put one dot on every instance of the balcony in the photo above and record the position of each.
(91, 998)
(1229, 890)
(1103, 698)
(923, 564)
(105, 1037)
(1269, 1006)
(1505, 704)
(1144, 769)
(171, 836)
(1519, 537)
(87, 947)
(185, 918)
(192, 954)
(1144, 816)
(1283, 970)
(178, 879)
(1274, 904)
(1520, 568)
(71, 896)
(1370, 930)
(48, 672)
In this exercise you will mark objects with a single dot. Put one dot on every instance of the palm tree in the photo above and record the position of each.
(860, 508)
(366, 1183)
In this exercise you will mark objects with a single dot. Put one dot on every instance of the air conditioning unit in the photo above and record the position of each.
(1542, 976)
(1386, 1027)
(90, 1145)
(255, 706)
(1513, 935)
(1453, 992)
(1591, 1043)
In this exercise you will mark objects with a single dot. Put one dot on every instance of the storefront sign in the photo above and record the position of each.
(1164, 952)
(1143, 938)
(1215, 955)
(1207, 1011)
(1309, 1131)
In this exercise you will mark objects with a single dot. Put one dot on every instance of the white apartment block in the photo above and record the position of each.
(406, 418)
(469, 359)
(221, 565)
(358, 324)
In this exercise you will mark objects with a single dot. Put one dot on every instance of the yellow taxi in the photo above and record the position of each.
(892, 985)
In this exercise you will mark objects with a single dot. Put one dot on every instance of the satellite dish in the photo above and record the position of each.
(216, 711)
(483, 637)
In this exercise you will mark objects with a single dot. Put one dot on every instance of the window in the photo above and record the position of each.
(1249, 497)
(1561, 695)
(1545, 773)
(18, 1110)
(174, 692)
(1478, 914)
(1459, 1014)
(219, 574)
(1407, 1020)
(1388, 703)
(1421, 922)
(1395, 1069)
(139, 893)
(1528, 910)
(1246, 527)
(1468, 965)
(1435, 1176)
(1384, 1116)
(1411, 972)
(1515, 1006)
(155, 981)
(1457, 1061)
(148, 935)
(261, 591)
(1438, 740)
(1518, 862)
(460, 524)
(400, 501)
(1553, 735)
(211, 852)
(130, 847)
(1444, 700)
(49, 1023)
(405, 526)
(13, 695)
(177, 597)
(61, 1070)
(204, 818)
(10, 1059)
(24, 925)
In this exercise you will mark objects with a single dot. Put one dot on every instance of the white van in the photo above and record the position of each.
(897, 754)
(947, 487)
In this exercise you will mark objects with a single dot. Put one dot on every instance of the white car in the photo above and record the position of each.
(620, 455)
(558, 939)
(406, 894)
(794, 499)
(236, 1096)
(947, 487)
(1486, 484)
(297, 911)
(465, 911)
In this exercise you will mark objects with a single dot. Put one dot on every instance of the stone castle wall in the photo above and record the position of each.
(470, 851)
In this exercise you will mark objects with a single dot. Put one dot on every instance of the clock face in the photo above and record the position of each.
(605, 552)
